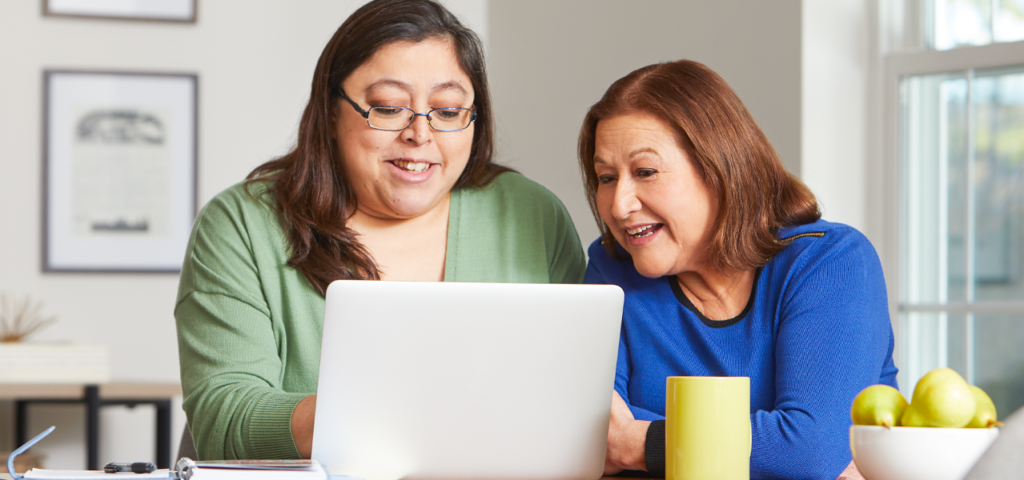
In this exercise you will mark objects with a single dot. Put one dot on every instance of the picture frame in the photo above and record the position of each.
(120, 158)
(151, 10)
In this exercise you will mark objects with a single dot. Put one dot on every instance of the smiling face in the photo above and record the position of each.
(650, 196)
(404, 174)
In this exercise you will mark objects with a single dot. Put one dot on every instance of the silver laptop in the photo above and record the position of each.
(466, 380)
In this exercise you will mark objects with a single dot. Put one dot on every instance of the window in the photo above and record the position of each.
(958, 140)
(976, 22)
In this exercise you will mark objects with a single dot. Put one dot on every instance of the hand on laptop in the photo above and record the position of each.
(626, 437)
(302, 425)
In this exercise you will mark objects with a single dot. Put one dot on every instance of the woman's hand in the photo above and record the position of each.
(626, 439)
(851, 473)
(302, 425)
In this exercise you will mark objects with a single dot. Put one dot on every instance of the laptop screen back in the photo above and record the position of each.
(466, 380)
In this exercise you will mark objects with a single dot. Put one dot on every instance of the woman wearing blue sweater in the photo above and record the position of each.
(728, 271)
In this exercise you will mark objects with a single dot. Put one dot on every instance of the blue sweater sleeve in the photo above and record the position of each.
(833, 337)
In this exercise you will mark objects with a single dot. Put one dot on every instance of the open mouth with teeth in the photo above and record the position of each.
(643, 231)
(411, 166)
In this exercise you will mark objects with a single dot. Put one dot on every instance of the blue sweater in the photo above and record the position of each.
(815, 332)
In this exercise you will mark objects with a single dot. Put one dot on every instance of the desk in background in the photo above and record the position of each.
(95, 397)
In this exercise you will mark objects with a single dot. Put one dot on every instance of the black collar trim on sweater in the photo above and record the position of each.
(678, 291)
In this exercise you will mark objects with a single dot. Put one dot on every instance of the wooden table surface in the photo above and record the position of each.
(14, 391)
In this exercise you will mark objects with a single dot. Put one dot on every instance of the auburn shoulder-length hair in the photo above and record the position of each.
(739, 167)
(312, 194)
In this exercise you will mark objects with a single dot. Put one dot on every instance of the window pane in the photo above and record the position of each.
(990, 342)
(962, 22)
(934, 190)
(924, 346)
(957, 349)
(999, 360)
(935, 223)
(1009, 21)
(999, 152)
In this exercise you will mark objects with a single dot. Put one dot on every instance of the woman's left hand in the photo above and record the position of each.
(626, 439)
(851, 473)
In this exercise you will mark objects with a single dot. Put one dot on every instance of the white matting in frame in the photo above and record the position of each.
(119, 170)
(165, 10)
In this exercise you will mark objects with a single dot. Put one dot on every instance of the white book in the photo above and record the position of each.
(250, 470)
(54, 363)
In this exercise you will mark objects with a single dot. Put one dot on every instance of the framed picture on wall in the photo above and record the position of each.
(119, 170)
(159, 10)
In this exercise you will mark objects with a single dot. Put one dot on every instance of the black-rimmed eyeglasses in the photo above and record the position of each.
(393, 119)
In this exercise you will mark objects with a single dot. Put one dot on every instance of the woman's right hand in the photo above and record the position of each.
(626, 439)
(302, 425)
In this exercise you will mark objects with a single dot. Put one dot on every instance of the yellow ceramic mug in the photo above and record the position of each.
(707, 428)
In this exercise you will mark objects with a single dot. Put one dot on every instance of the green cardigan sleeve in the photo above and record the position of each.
(231, 368)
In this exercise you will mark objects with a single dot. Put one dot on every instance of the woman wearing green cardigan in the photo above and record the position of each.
(391, 179)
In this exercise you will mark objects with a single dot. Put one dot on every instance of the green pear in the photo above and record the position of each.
(985, 412)
(878, 405)
(942, 399)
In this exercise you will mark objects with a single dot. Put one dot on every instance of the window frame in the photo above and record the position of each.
(895, 66)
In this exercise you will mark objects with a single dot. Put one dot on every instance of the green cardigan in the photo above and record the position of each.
(249, 326)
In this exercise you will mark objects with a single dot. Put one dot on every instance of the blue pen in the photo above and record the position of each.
(21, 450)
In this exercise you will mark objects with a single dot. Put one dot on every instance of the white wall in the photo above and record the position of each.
(835, 108)
(550, 61)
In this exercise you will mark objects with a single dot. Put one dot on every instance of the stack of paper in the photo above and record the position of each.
(54, 363)
(188, 470)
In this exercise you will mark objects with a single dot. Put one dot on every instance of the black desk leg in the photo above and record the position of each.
(20, 423)
(92, 427)
(163, 434)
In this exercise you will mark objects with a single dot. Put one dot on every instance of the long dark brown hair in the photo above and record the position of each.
(739, 167)
(312, 195)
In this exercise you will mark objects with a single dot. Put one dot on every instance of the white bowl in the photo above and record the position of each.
(913, 453)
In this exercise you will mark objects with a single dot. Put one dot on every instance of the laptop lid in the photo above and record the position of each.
(466, 380)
